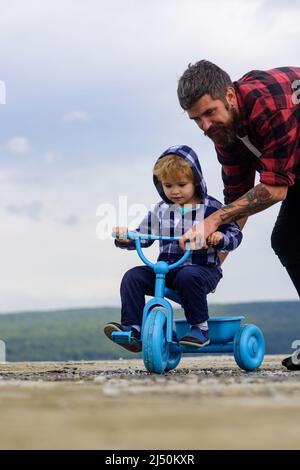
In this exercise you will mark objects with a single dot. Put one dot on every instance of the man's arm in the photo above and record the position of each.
(258, 199)
(242, 222)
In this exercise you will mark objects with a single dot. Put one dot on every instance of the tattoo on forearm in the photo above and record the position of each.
(255, 200)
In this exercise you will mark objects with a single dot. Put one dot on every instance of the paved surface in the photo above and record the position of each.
(206, 403)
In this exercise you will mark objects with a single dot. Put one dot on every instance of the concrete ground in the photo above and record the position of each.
(206, 403)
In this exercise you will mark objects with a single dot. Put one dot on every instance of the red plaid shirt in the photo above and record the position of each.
(269, 141)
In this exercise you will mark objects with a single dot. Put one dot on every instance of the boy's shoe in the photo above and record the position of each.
(135, 338)
(289, 364)
(196, 338)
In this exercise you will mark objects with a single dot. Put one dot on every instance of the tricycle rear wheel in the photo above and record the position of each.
(249, 347)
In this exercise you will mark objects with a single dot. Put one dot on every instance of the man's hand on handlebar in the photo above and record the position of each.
(199, 233)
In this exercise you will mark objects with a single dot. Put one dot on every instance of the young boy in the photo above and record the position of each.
(179, 181)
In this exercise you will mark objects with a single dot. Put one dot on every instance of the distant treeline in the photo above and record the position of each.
(77, 334)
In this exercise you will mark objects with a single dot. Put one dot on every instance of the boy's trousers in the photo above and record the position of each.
(192, 282)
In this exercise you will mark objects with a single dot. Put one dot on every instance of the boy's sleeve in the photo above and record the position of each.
(149, 225)
(232, 237)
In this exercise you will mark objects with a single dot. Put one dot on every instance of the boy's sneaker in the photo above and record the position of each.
(135, 338)
(196, 338)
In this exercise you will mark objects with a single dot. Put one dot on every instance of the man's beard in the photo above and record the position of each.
(225, 134)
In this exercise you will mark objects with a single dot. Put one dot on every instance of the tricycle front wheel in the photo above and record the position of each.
(174, 354)
(158, 355)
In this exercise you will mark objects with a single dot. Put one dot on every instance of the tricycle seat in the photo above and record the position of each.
(221, 329)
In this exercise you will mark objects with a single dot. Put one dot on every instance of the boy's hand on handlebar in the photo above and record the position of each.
(215, 238)
(121, 234)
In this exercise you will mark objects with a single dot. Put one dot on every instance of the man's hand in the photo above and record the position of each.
(199, 233)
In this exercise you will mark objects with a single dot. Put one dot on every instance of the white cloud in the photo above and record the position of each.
(50, 156)
(74, 116)
(97, 41)
(18, 145)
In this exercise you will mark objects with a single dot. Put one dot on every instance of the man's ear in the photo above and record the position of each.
(231, 97)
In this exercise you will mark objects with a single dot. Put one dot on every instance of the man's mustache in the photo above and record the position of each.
(212, 130)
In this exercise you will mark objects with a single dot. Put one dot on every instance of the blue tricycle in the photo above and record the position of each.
(161, 350)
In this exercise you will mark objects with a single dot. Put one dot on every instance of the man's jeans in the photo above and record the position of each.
(285, 237)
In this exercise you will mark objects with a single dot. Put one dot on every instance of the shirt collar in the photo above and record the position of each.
(244, 120)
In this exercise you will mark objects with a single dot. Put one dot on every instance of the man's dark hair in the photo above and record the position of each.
(200, 79)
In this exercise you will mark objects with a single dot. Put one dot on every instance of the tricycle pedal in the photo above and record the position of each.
(121, 337)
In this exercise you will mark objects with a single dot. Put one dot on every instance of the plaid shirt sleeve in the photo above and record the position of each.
(238, 173)
(279, 155)
(232, 237)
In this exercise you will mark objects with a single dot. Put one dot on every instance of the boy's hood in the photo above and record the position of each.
(191, 158)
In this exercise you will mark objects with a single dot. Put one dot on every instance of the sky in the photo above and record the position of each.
(90, 103)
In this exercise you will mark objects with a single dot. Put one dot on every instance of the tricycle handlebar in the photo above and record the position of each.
(137, 236)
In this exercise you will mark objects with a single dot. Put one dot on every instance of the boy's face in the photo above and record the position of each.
(181, 191)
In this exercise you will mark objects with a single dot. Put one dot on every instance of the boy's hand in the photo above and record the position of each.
(215, 238)
(120, 234)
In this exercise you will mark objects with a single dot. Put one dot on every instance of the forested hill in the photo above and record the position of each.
(77, 334)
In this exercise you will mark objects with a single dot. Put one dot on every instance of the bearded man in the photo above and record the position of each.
(255, 126)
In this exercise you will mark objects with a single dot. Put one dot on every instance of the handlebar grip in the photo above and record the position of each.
(126, 235)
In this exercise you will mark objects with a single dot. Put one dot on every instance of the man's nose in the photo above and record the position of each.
(205, 125)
